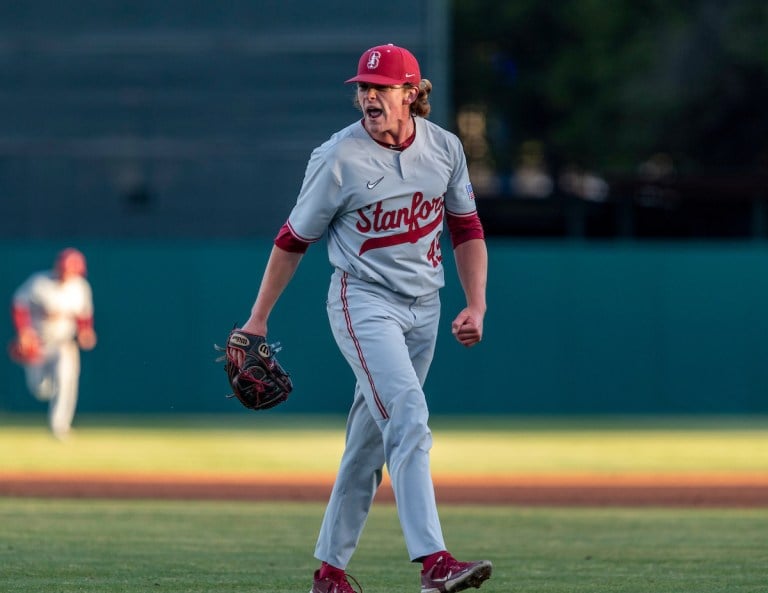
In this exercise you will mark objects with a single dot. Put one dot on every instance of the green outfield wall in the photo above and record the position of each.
(572, 327)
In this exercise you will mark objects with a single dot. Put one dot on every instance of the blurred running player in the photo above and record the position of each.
(52, 312)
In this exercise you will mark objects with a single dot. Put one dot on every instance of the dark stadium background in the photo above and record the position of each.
(618, 152)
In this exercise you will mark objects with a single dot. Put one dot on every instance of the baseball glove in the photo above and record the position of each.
(26, 352)
(255, 376)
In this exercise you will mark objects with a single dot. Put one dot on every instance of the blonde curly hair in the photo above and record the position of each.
(421, 106)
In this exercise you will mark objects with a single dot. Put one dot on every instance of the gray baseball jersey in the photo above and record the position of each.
(55, 306)
(377, 204)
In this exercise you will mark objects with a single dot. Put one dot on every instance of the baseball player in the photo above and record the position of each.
(53, 315)
(381, 190)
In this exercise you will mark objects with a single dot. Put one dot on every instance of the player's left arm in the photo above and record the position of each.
(470, 252)
(472, 265)
(86, 334)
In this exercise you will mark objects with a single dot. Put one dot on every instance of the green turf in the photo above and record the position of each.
(186, 547)
(274, 444)
(62, 546)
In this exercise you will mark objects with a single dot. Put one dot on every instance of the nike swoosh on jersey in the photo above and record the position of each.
(372, 184)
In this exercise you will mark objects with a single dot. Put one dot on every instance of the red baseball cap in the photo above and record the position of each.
(71, 261)
(387, 64)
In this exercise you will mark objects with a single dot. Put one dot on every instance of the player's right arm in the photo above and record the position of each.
(315, 206)
(280, 268)
(28, 340)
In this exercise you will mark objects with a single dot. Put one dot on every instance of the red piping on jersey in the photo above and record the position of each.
(288, 240)
(400, 147)
(360, 355)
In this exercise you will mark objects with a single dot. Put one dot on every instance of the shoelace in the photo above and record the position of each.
(359, 586)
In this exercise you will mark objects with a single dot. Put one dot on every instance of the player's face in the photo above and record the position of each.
(70, 265)
(386, 110)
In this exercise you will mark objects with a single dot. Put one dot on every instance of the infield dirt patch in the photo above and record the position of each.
(648, 490)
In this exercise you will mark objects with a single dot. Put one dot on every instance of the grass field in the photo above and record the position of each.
(126, 546)
(284, 445)
(186, 547)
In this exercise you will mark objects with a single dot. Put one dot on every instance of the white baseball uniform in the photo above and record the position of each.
(383, 212)
(54, 309)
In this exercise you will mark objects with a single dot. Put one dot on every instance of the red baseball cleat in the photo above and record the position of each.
(329, 585)
(448, 575)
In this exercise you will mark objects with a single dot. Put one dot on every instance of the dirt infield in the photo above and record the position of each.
(635, 490)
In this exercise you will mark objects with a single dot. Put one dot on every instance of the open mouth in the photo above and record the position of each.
(373, 112)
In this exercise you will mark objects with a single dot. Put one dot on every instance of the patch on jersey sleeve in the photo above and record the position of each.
(470, 191)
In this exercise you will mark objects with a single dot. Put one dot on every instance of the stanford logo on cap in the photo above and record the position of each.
(387, 65)
(373, 60)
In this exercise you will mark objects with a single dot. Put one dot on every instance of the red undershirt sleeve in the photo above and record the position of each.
(288, 241)
(464, 227)
(84, 323)
(21, 317)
